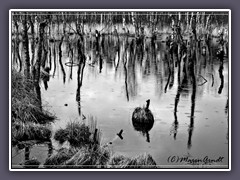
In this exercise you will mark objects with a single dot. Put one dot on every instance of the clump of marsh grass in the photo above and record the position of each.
(79, 134)
(57, 160)
(85, 157)
(61, 135)
(85, 149)
(76, 133)
(141, 161)
(89, 157)
(29, 131)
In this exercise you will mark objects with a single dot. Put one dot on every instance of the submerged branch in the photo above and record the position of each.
(204, 80)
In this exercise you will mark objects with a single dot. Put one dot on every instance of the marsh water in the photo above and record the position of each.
(188, 122)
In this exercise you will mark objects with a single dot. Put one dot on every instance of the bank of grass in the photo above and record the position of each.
(29, 131)
(26, 106)
(81, 157)
(29, 120)
(96, 157)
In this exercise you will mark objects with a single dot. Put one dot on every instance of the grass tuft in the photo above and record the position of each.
(78, 134)
(141, 161)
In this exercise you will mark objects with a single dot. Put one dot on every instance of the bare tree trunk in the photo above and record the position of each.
(39, 53)
(31, 19)
(17, 45)
(25, 48)
(45, 53)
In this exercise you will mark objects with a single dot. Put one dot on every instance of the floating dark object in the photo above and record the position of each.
(51, 40)
(65, 104)
(120, 134)
(143, 115)
(143, 120)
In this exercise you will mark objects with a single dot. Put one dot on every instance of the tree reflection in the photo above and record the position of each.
(54, 59)
(177, 98)
(100, 64)
(130, 65)
(193, 99)
(126, 79)
(60, 59)
(81, 65)
(221, 78)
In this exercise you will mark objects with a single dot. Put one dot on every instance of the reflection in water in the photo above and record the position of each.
(54, 59)
(50, 57)
(27, 153)
(193, 98)
(45, 82)
(45, 77)
(169, 71)
(117, 55)
(125, 56)
(226, 107)
(126, 79)
(144, 128)
(221, 77)
(60, 59)
(50, 149)
(81, 65)
(177, 98)
(100, 64)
